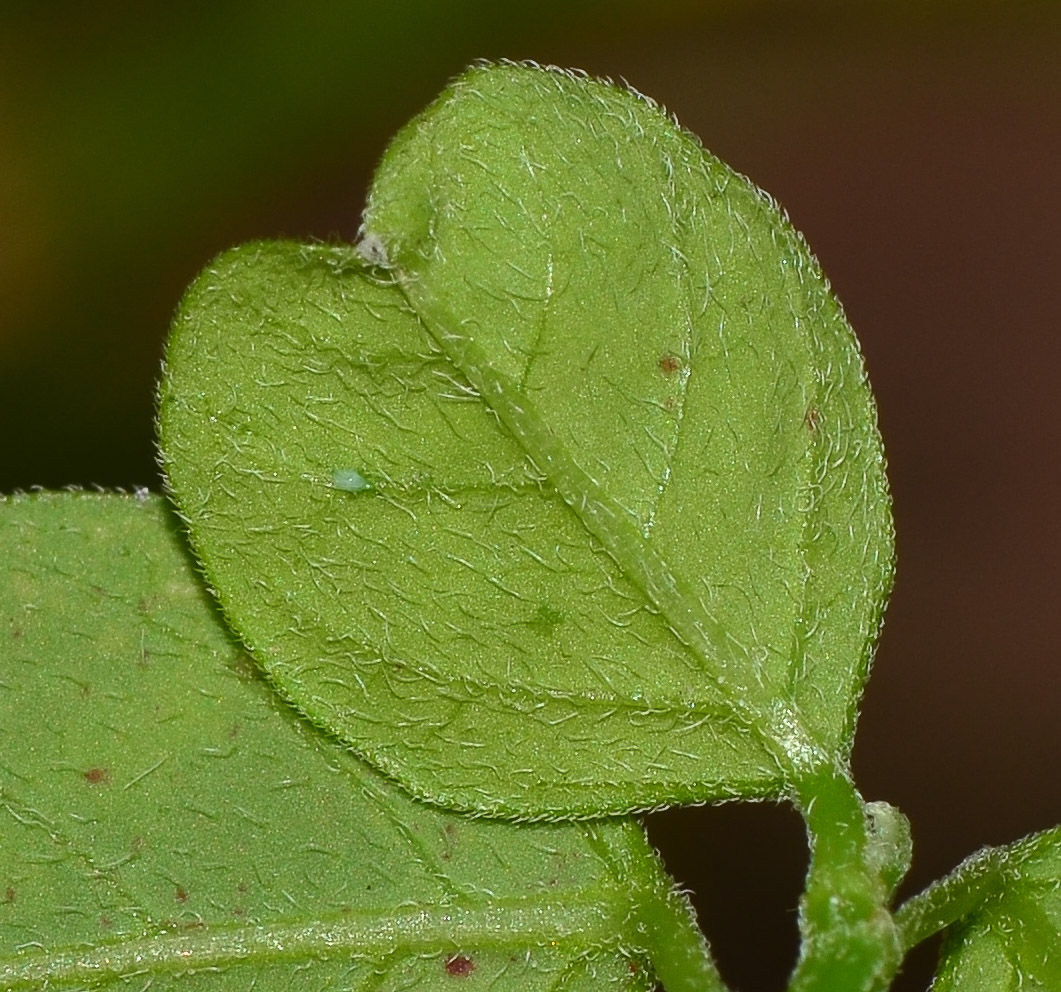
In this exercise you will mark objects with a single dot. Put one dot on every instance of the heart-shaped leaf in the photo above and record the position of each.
(612, 532)
(167, 822)
(1013, 939)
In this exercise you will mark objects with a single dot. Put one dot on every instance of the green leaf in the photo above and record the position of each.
(605, 528)
(1012, 940)
(165, 820)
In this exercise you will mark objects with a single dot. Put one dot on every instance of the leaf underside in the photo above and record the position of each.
(166, 821)
(581, 507)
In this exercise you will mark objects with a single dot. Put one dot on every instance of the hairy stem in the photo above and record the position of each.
(849, 937)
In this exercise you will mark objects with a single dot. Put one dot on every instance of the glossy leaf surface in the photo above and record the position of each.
(1013, 940)
(167, 822)
(613, 533)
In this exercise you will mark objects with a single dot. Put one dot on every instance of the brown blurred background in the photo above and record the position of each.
(917, 145)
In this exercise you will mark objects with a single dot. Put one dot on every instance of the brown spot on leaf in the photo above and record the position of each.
(97, 776)
(9, 895)
(459, 966)
(181, 894)
(811, 419)
(669, 364)
(106, 922)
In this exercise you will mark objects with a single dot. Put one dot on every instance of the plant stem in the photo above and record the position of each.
(850, 941)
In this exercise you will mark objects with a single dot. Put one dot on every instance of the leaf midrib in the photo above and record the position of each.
(585, 919)
(778, 729)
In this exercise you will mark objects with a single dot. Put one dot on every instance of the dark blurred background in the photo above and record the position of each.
(917, 145)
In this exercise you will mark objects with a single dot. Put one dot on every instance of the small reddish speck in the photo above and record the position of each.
(669, 364)
(181, 895)
(97, 776)
(811, 420)
(458, 966)
(9, 895)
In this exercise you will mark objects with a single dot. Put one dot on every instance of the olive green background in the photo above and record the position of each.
(917, 145)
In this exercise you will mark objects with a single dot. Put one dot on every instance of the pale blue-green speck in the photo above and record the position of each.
(350, 480)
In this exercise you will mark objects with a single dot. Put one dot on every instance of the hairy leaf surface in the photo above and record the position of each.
(591, 516)
(1013, 940)
(167, 822)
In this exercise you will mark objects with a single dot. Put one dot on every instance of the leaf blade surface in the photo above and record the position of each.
(385, 612)
(163, 814)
